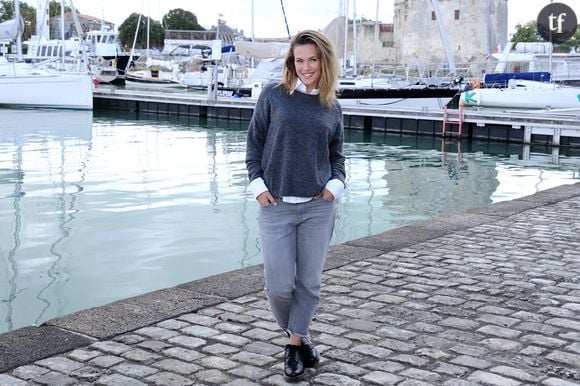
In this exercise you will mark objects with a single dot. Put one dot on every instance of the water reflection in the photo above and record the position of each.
(95, 209)
(46, 134)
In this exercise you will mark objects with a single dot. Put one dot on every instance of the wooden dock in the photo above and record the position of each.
(556, 128)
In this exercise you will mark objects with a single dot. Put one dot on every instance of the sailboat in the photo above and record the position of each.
(30, 85)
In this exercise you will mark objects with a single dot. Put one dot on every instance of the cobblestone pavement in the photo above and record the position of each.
(489, 297)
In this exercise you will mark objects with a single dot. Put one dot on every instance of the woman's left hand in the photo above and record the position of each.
(325, 195)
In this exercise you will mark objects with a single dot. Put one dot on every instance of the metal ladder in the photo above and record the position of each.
(453, 117)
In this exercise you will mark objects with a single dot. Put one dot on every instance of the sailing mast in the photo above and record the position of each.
(444, 37)
(285, 20)
(20, 28)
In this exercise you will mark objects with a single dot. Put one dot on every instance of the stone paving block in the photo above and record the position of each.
(252, 358)
(139, 355)
(106, 361)
(88, 373)
(215, 362)
(382, 378)
(335, 380)
(498, 344)
(185, 354)
(202, 320)
(168, 379)
(119, 380)
(187, 341)
(213, 377)
(153, 345)
(499, 331)
(7, 380)
(468, 361)
(566, 358)
(177, 366)
(486, 378)
(343, 355)
(514, 373)
(250, 372)
(111, 347)
(134, 370)
(54, 378)
(542, 340)
(59, 363)
(263, 348)
(29, 372)
(427, 376)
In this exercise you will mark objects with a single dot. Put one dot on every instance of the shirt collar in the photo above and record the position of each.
(301, 87)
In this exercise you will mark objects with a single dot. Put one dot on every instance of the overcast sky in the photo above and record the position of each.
(269, 18)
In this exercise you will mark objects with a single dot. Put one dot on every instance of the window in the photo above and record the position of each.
(433, 16)
(456, 14)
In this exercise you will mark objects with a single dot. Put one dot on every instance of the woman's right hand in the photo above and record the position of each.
(266, 199)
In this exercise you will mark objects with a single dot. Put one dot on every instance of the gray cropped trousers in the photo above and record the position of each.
(295, 239)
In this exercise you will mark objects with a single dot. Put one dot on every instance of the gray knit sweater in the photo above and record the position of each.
(294, 143)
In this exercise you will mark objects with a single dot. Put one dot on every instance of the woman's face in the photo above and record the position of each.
(307, 64)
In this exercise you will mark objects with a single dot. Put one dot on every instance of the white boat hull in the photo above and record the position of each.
(64, 91)
(524, 95)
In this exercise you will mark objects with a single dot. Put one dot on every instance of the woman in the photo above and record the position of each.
(296, 170)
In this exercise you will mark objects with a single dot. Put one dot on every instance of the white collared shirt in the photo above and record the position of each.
(334, 186)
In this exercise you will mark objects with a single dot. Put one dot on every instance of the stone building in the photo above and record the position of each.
(475, 28)
(87, 22)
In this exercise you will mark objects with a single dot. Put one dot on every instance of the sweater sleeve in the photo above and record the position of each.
(335, 151)
(256, 139)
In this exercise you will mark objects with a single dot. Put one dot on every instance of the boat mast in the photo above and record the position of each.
(285, 20)
(354, 40)
(376, 39)
(345, 14)
(20, 27)
(444, 37)
(62, 33)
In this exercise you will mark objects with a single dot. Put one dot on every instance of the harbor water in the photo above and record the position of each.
(97, 207)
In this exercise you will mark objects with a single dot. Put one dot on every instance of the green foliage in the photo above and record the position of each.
(54, 8)
(572, 43)
(6, 10)
(128, 29)
(529, 33)
(179, 19)
(27, 13)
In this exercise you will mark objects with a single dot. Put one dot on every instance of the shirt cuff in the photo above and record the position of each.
(257, 186)
(336, 187)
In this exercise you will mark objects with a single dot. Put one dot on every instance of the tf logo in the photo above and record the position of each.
(557, 22)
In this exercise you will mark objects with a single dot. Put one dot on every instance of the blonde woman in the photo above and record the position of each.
(296, 171)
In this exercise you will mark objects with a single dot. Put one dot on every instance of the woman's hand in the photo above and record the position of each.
(325, 195)
(266, 199)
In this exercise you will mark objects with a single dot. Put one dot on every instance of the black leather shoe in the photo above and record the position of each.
(293, 366)
(309, 353)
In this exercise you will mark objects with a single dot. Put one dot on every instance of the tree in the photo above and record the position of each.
(179, 19)
(54, 8)
(27, 13)
(572, 43)
(529, 33)
(128, 28)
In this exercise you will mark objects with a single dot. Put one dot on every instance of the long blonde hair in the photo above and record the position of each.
(328, 65)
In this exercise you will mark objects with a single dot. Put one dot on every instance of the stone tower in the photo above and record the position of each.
(475, 29)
